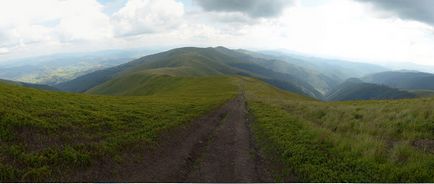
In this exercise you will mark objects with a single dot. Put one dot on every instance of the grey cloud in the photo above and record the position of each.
(419, 10)
(253, 8)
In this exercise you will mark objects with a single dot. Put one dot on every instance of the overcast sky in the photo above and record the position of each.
(378, 31)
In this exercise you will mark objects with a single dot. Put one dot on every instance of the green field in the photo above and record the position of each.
(49, 134)
(356, 141)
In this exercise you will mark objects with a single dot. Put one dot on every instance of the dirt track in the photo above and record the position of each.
(214, 148)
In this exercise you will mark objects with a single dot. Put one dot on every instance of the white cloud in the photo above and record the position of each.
(148, 16)
(83, 20)
(348, 29)
(3, 50)
(334, 28)
(342, 29)
(29, 22)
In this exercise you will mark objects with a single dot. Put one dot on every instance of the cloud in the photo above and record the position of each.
(3, 51)
(83, 20)
(147, 16)
(330, 28)
(51, 21)
(419, 10)
(252, 8)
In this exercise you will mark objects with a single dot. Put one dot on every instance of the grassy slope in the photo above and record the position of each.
(45, 135)
(30, 85)
(422, 92)
(357, 141)
(354, 89)
(187, 62)
(403, 79)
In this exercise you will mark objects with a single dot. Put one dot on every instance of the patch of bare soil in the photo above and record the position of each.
(425, 145)
(229, 155)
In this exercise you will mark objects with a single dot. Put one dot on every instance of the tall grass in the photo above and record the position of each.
(358, 141)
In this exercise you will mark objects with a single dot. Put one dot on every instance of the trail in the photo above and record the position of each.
(214, 148)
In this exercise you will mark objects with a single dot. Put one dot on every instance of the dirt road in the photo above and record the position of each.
(214, 148)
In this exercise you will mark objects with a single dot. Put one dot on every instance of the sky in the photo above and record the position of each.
(375, 31)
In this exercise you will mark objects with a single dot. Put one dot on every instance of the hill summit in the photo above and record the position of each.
(142, 75)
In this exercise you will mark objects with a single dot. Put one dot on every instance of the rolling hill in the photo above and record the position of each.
(128, 112)
(352, 141)
(186, 62)
(339, 70)
(312, 75)
(355, 89)
(56, 136)
(30, 85)
(403, 79)
(58, 68)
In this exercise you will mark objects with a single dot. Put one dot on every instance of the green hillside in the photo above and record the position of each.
(49, 136)
(355, 89)
(410, 80)
(188, 62)
(30, 85)
(331, 67)
(363, 141)
(422, 92)
(56, 136)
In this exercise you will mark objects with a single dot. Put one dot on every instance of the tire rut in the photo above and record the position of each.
(229, 156)
(214, 148)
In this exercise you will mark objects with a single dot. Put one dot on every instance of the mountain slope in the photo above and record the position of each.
(185, 62)
(403, 79)
(30, 85)
(314, 75)
(333, 68)
(355, 89)
(356, 141)
(57, 68)
(56, 136)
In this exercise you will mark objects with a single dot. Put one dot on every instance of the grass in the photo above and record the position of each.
(44, 135)
(163, 85)
(356, 141)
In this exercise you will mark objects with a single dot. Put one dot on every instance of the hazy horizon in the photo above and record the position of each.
(371, 31)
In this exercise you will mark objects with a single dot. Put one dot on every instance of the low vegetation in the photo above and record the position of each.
(46, 135)
(50, 136)
(355, 141)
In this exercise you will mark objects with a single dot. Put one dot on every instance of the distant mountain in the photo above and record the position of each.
(30, 85)
(322, 82)
(332, 68)
(411, 66)
(136, 75)
(403, 79)
(356, 89)
(54, 69)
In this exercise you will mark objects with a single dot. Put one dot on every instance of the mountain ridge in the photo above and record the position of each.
(191, 61)
(356, 89)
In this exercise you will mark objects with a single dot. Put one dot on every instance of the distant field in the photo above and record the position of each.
(356, 141)
(48, 134)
